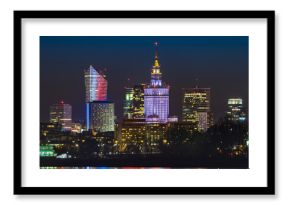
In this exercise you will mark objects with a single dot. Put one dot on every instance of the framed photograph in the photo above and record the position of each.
(144, 102)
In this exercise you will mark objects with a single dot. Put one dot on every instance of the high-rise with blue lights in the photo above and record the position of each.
(100, 116)
(156, 96)
(99, 112)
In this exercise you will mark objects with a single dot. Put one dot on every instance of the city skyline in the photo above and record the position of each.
(73, 93)
(146, 131)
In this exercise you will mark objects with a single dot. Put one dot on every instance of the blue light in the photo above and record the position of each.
(103, 167)
(88, 116)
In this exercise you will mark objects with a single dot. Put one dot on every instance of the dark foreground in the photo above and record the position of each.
(149, 161)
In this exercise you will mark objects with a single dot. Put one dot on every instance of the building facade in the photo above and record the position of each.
(95, 84)
(61, 113)
(99, 111)
(156, 96)
(132, 137)
(128, 103)
(138, 101)
(235, 110)
(156, 135)
(139, 136)
(134, 102)
(196, 107)
(100, 116)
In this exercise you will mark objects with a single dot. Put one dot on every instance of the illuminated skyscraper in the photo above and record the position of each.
(138, 101)
(96, 85)
(196, 107)
(99, 112)
(156, 96)
(235, 110)
(134, 102)
(61, 113)
(128, 103)
(100, 116)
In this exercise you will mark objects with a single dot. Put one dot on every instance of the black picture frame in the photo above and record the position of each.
(269, 189)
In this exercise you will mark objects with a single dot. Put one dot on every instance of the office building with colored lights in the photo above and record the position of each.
(100, 116)
(134, 102)
(156, 96)
(95, 85)
(99, 111)
(196, 107)
(235, 111)
(128, 103)
(61, 113)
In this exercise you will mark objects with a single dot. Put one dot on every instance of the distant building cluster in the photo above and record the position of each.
(145, 132)
(146, 122)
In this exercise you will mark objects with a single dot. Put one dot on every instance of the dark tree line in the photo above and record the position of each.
(226, 138)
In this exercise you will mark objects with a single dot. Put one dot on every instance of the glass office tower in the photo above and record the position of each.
(100, 116)
(95, 84)
(196, 107)
(61, 113)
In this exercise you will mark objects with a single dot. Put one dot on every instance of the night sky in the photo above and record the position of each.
(220, 63)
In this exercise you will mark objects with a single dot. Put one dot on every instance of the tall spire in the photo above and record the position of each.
(155, 71)
(156, 63)
(156, 95)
